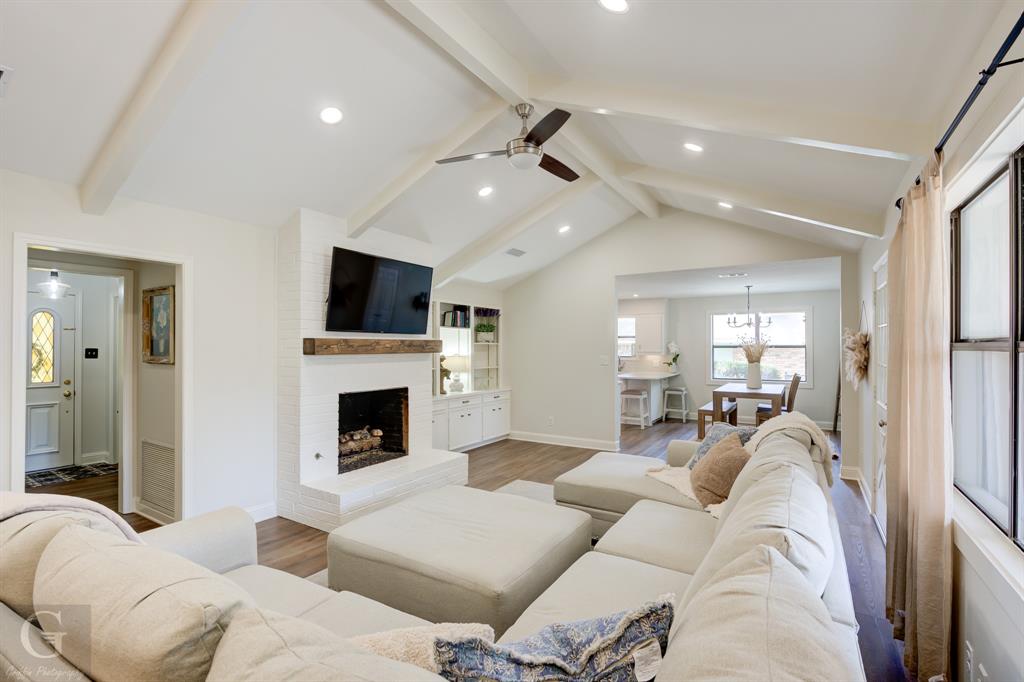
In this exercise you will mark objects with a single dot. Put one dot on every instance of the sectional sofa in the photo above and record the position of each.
(760, 592)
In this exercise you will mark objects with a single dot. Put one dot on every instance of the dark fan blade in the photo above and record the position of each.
(470, 157)
(556, 167)
(547, 127)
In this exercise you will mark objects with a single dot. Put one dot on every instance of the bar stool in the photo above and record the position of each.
(643, 416)
(665, 406)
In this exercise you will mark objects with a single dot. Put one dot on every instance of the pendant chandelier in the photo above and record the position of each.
(752, 318)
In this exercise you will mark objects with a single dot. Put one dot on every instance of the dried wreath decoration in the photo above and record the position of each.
(857, 351)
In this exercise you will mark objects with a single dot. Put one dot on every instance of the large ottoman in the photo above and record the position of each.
(457, 554)
(608, 484)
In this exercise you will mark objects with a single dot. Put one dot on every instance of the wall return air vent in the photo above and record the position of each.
(515, 252)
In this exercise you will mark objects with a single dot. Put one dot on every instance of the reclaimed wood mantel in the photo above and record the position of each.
(369, 346)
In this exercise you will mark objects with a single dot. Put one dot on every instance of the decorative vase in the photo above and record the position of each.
(753, 375)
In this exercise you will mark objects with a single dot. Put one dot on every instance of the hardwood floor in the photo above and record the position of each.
(301, 550)
(102, 489)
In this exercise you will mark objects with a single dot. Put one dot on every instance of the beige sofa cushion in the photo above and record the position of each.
(615, 482)
(132, 612)
(596, 585)
(263, 645)
(786, 510)
(346, 614)
(22, 541)
(661, 534)
(758, 619)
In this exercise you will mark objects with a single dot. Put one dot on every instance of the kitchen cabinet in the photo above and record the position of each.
(462, 421)
(496, 420)
(465, 426)
(650, 334)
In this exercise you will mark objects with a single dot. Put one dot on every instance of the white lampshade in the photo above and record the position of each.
(457, 363)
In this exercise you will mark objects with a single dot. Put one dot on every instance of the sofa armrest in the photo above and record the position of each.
(680, 452)
(221, 540)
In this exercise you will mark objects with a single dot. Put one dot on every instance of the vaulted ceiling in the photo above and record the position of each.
(809, 114)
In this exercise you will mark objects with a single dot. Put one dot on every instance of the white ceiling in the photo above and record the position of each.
(244, 140)
(817, 274)
(75, 64)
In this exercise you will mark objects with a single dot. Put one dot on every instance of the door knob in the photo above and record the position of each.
(67, 394)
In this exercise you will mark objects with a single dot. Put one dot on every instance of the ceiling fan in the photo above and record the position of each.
(526, 151)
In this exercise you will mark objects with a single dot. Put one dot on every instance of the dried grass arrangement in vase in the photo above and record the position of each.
(754, 351)
(857, 354)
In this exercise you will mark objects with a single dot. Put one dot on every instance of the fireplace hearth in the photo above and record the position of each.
(373, 427)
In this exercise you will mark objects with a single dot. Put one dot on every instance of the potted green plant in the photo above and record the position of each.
(485, 332)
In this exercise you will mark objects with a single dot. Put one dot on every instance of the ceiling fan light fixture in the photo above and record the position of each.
(615, 6)
(524, 160)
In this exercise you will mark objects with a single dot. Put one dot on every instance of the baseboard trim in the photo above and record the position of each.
(96, 457)
(855, 475)
(142, 509)
(569, 441)
(262, 512)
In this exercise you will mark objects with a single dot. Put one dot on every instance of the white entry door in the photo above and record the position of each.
(50, 365)
(880, 353)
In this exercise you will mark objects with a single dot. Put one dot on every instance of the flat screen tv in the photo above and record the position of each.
(372, 294)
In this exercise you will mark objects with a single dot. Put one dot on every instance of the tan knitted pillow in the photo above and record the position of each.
(713, 475)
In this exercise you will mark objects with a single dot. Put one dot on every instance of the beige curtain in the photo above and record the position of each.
(919, 446)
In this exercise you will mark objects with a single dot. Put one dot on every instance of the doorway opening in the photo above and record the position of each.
(102, 383)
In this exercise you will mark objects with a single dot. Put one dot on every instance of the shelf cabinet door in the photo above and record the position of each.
(496, 420)
(439, 422)
(650, 334)
(464, 427)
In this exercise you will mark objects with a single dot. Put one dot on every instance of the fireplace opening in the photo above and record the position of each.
(373, 427)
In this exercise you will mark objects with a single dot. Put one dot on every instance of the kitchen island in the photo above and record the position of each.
(654, 382)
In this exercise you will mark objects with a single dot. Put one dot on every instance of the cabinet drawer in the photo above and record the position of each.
(464, 427)
(459, 402)
(496, 420)
(493, 396)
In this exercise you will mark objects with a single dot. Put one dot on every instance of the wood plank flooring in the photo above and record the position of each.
(102, 489)
(301, 550)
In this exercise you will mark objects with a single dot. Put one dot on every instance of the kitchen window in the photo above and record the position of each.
(987, 347)
(627, 337)
(787, 353)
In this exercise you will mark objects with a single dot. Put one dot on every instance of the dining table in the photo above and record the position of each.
(773, 393)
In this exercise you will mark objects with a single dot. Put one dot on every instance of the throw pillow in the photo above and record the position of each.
(759, 619)
(264, 645)
(131, 612)
(416, 645)
(596, 649)
(713, 476)
(717, 432)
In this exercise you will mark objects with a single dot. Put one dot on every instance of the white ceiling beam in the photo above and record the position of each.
(362, 218)
(462, 38)
(823, 215)
(186, 49)
(902, 141)
(503, 234)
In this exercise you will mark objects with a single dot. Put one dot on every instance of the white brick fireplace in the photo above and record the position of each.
(309, 488)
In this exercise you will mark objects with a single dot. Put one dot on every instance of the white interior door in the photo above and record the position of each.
(50, 392)
(880, 356)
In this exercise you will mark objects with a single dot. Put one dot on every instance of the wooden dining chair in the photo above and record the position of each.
(764, 410)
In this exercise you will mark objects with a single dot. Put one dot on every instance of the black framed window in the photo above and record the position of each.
(987, 363)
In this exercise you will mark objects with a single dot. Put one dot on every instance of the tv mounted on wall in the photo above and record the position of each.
(373, 294)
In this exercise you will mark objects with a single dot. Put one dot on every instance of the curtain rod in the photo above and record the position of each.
(997, 63)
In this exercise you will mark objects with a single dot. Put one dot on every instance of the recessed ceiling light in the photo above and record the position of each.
(564, 228)
(616, 6)
(485, 191)
(636, 295)
(331, 115)
(693, 147)
(731, 275)
(725, 204)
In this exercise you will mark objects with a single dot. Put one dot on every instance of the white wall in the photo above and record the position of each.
(687, 325)
(560, 322)
(232, 431)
